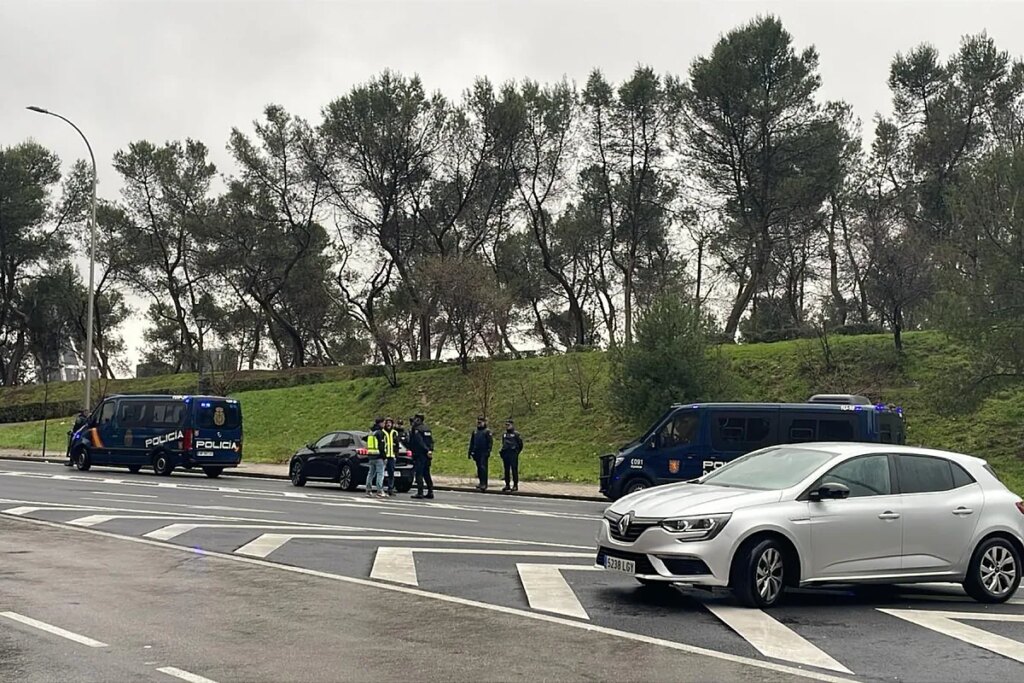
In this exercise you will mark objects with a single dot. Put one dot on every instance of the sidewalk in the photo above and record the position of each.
(545, 489)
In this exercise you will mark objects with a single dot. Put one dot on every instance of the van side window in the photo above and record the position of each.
(166, 414)
(802, 430)
(681, 430)
(835, 429)
(130, 414)
(107, 412)
(735, 433)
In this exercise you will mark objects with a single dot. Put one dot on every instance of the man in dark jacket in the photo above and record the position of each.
(480, 444)
(80, 421)
(421, 443)
(511, 447)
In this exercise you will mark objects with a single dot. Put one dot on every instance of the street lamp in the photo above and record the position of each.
(92, 261)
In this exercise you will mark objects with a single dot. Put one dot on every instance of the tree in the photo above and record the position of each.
(758, 143)
(466, 295)
(669, 362)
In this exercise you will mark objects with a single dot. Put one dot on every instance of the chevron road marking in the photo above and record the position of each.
(398, 564)
(268, 543)
(948, 623)
(548, 591)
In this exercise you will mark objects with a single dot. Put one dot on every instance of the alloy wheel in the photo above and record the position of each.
(768, 576)
(998, 570)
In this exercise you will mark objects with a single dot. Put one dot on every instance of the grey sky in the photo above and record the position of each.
(165, 69)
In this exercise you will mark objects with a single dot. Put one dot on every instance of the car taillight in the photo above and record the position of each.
(362, 451)
(186, 441)
(1020, 506)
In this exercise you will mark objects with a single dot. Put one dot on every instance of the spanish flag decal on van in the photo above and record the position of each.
(95, 438)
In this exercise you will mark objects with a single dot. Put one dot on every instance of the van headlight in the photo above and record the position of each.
(697, 528)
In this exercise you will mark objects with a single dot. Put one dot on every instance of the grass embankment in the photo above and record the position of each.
(562, 438)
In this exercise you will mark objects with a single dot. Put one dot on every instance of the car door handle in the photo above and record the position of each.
(962, 511)
(889, 515)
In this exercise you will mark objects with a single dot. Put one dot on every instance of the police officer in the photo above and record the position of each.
(403, 436)
(481, 441)
(511, 447)
(80, 421)
(421, 443)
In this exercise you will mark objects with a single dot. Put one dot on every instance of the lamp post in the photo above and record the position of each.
(92, 261)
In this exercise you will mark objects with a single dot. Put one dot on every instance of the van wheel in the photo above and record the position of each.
(134, 469)
(212, 472)
(162, 465)
(758, 574)
(634, 485)
(82, 460)
(347, 478)
(295, 473)
(995, 571)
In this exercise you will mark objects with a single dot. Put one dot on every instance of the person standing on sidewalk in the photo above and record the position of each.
(421, 443)
(389, 446)
(375, 475)
(511, 447)
(481, 441)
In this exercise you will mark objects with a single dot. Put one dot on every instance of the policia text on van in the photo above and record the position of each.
(690, 440)
(162, 432)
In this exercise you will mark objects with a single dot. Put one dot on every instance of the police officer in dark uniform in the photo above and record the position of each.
(80, 421)
(511, 447)
(481, 441)
(421, 443)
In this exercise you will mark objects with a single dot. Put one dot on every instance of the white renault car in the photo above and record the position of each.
(824, 513)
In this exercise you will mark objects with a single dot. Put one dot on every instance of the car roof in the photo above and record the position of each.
(848, 448)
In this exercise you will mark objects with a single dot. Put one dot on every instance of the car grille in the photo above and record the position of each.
(636, 527)
(643, 565)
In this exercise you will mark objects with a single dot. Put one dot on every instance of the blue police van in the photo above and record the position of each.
(690, 440)
(163, 432)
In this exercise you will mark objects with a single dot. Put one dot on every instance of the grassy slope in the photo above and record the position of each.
(562, 438)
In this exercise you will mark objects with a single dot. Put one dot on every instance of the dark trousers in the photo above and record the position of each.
(389, 470)
(481, 467)
(421, 463)
(511, 462)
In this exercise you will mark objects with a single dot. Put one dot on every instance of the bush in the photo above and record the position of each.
(855, 329)
(29, 412)
(669, 361)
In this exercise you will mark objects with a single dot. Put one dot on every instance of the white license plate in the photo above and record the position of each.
(619, 565)
(397, 473)
(205, 454)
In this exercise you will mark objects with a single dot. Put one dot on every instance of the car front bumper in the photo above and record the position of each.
(659, 556)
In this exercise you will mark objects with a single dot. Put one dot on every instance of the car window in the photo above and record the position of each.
(107, 412)
(741, 433)
(129, 413)
(343, 440)
(770, 469)
(681, 430)
(960, 476)
(325, 441)
(864, 476)
(924, 474)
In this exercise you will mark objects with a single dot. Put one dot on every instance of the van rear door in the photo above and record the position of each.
(217, 431)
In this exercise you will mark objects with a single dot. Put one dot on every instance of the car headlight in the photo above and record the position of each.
(698, 528)
(619, 459)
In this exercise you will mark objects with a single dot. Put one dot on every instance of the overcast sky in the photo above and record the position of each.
(169, 69)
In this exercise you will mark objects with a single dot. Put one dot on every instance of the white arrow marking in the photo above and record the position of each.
(268, 543)
(772, 638)
(548, 591)
(948, 623)
(174, 530)
(398, 565)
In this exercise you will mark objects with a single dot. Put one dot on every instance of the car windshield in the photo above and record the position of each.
(770, 469)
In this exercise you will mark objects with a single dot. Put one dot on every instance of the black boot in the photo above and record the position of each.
(430, 494)
(418, 494)
(506, 489)
(515, 487)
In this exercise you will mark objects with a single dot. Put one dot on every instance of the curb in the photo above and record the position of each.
(281, 477)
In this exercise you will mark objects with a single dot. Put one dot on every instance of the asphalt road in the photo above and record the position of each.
(240, 579)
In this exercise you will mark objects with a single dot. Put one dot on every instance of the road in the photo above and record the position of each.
(112, 576)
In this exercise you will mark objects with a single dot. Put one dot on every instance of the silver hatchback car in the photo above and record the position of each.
(824, 513)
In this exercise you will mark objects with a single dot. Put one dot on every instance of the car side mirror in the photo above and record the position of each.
(829, 491)
(310, 446)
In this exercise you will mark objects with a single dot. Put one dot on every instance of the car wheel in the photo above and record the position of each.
(82, 460)
(295, 473)
(134, 469)
(347, 478)
(634, 485)
(212, 472)
(758, 576)
(162, 465)
(995, 571)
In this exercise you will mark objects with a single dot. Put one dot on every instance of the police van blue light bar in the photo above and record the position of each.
(204, 404)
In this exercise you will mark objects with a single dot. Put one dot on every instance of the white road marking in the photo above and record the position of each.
(55, 630)
(429, 517)
(773, 638)
(398, 564)
(93, 520)
(948, 623)
(124, 495)
(268, 543)
(174, 530)
(24, 510)
(184, 675)
(465, 602)
(547, 590)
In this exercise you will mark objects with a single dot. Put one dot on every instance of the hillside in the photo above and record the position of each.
(563, 437)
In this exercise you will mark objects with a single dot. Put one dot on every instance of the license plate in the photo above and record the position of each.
(205, 454)
(620, 565)
(397, 473)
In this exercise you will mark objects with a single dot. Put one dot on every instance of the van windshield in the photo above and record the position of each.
(770, 469)
(218, 415)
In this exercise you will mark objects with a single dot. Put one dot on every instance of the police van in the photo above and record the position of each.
(690, 440)
(163, 432)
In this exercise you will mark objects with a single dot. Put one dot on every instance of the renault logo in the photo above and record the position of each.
(624, 523)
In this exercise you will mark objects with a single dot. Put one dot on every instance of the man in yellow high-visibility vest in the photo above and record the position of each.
(389, 447)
